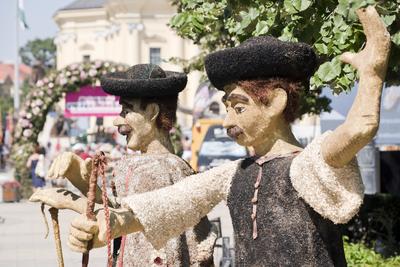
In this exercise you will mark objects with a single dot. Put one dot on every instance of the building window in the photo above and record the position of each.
(86, 58)
(155, 56)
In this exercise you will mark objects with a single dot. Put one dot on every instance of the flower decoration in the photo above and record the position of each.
(51, 88)
(39, 101)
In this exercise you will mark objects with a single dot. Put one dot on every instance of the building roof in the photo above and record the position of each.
(84, 4)
(7, 70)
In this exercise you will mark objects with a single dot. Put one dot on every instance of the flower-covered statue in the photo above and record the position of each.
(285, 202)
(148, 96)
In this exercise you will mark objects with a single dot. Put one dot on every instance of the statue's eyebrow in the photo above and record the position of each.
(236, 98)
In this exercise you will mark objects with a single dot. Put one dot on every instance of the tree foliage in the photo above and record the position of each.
(331, 27)
(39, 51)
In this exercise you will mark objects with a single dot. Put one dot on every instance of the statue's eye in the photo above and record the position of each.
(239, 110)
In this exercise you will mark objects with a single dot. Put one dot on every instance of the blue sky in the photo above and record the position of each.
(39, 16)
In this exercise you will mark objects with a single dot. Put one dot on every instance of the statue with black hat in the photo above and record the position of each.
(148, 96)
(286, 202)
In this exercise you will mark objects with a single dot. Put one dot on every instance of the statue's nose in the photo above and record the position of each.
(119, 121)
(228, 121)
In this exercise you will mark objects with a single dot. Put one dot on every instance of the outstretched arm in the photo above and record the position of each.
(160, 214)
(362, 120)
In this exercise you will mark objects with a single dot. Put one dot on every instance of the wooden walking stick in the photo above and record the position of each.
(56, 231)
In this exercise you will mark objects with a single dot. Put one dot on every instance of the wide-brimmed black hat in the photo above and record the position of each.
(259, 58)
(144, 80)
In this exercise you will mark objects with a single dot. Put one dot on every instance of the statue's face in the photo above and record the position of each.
(136, 124)
(249, 121)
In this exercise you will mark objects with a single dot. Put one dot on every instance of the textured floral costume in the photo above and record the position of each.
(142, 173)
(300, 199)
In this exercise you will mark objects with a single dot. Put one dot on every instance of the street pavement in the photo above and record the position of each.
(22, 242)
(22, 232)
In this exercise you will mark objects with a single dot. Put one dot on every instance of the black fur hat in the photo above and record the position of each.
(261, 57)
(144, 80)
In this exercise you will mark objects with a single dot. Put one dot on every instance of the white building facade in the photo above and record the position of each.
(124, 31)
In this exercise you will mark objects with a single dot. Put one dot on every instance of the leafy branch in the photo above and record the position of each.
(331, 26)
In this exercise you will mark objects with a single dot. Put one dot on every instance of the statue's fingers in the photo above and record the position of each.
(364, 15)
(76, 242)
(82, 248)
(371, 22)
(63, 166)
(36, 197)
(43, 195)
(57, 170)
(50, 172)
(80, 235)
(83, 224)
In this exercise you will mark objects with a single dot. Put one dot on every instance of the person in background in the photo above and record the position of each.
(2, 158)
(36, 165)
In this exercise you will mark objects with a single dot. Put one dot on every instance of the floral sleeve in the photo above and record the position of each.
(335, 193)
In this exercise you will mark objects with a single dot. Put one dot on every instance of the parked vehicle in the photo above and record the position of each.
(212, 146)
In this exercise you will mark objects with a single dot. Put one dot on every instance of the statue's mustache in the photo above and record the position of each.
(234, 132)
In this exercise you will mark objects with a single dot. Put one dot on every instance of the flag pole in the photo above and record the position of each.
(16, 65)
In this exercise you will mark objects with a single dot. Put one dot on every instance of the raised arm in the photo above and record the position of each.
(362, 120)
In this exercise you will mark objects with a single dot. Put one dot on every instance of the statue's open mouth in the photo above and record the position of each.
(124, 130)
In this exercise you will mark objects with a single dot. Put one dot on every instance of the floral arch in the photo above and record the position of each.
(41, 99)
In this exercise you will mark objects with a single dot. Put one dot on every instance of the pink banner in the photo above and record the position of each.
(91, 101)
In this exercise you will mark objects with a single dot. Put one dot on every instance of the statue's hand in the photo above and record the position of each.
(83, 230)
(70, 166)
(75, 169)
(373, 59)
(122, 222)
(60, 199)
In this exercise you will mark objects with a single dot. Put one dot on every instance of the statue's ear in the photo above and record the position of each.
(278, 100)
(152, 111)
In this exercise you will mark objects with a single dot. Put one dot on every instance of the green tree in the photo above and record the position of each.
(331, 27)
(39, 51)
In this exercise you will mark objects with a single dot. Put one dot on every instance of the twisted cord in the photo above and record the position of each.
(45, 220)
(91, 198)
(101, 169)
